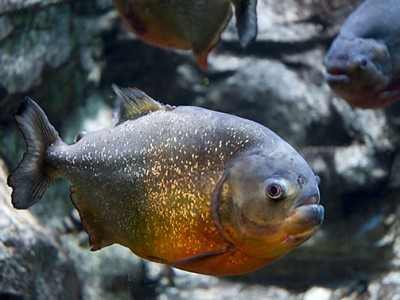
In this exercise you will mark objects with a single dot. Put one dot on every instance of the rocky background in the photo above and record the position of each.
(65, 54)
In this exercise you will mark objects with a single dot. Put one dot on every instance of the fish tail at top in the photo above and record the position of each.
(29, 180)
(246, 20)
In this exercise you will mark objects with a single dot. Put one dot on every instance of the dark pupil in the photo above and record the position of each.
(274, 190)
(362, 62)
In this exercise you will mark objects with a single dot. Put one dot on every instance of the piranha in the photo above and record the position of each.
(192, 188)
(188, 24)
(363, 62)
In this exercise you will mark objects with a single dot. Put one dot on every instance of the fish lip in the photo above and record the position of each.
(308, 228)
(311, 200)
(336, 75)
(342, 78)
(303, 223)
(310, 204)
(312, 214)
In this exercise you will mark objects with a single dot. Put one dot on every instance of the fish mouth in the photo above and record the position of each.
(337, 75)
(303, 222)
(305, 218)
(313, 199)
(311, 210)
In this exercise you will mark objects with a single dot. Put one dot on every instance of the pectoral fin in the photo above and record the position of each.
(223, 262)
(205, 263)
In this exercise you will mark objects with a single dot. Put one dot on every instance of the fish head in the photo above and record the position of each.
(267, 203)
(358, 69)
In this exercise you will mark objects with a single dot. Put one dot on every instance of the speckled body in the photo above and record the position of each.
(184, 186)
(158, 172)
(363, 62)
(184, 24)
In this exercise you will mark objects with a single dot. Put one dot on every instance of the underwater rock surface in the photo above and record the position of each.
(11, 6)
(32, 264)
(279, 82)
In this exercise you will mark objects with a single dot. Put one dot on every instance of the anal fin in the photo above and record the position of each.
(92, 221)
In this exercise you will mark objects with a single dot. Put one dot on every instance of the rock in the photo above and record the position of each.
(255, 92)
(386, 288)
(319, 293)
(12, 6)
(33, 265)
(45, 45)
(194, 286)
(48, 42)
(107, 273)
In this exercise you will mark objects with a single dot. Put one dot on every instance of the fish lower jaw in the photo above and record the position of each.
(337, 78)
(303, 223)
(304, 216)
(296, 240)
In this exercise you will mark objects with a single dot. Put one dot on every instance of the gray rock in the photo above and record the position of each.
(107, 273)
(44, 43)
(33, 265)
(33, 41)
(385, 288)
(254, 91)
(13, 6)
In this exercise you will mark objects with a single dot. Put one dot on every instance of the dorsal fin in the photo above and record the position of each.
(133, 103)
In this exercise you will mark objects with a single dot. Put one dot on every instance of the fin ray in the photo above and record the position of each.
(134, 103)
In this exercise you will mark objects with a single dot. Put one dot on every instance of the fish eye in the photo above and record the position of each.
(362, 62)
(275, 191)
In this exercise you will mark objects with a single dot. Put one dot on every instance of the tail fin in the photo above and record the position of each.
(29, 181)
(246, 20)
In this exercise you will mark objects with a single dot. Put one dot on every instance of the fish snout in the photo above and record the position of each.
(303, 223)
(310, 209)
(337, 69)
(310, 214)
(306, 214)
(337, 76)
(332, 58)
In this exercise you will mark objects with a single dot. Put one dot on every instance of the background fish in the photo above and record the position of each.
(363, 62)
(188, 24)
(196, 189)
